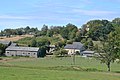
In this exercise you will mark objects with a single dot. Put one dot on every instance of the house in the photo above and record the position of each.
(6, 43)
(22, 51)
(87, 53)
(74, 48)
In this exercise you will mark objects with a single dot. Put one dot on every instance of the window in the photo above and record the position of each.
(34, 53)
(7, 52)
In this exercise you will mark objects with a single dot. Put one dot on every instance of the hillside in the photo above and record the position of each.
(14, 38)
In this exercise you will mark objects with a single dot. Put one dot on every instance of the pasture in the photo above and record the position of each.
(51, 68)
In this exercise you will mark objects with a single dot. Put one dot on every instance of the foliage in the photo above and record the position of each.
(110, 50)
(60, 53)
(25, 41)
(19, 31)
(90, 44)
(2, 49)
(93, 30)
(98, 29)
(33, 43)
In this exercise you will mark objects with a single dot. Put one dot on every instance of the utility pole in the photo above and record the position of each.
(73, 56)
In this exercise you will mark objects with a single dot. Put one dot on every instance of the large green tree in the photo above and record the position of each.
(110, 50)
(2, 49)
(97, 29)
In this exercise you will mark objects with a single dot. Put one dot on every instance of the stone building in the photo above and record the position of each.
(75, 47)
(22, 51)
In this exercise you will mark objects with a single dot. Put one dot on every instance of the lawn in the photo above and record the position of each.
(50, 68)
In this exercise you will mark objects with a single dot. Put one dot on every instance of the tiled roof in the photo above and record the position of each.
(75, 45)
(85, 52)
(11, 48)
(69, 46)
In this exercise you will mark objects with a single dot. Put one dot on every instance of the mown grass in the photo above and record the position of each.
(50, 68)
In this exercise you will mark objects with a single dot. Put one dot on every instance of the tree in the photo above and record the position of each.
(78, 36)
(116, 21)
(49, 33)
(33, 43)
(97, 29)
(60, 53)
(19, 32)
(90, 44)
(110, 50)
(2, 49)
(64, 33)
(72, 35)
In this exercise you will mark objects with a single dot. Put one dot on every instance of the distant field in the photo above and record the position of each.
(15, 38)
(50, 68)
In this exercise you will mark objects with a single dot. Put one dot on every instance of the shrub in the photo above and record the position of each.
(60, 53)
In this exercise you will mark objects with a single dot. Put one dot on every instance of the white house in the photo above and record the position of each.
(75, 47)
(22, 51)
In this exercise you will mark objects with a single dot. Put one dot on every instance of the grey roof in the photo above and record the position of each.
(5, 42)
(75, 45)
(13, 44)
(69, 46)
(11, 48)
(85, 52)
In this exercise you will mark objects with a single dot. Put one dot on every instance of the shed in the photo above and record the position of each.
(87, 53)
(22, 51)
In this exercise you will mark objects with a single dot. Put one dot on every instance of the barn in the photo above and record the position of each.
(23, 51)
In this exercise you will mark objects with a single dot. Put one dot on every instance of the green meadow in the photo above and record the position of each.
(51, 68)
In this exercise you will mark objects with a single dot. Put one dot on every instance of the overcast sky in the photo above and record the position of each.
(35, 13)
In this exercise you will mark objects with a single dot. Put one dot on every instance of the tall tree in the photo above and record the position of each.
(110, 50)
(2, 49)
(33, 43)
(44, 30)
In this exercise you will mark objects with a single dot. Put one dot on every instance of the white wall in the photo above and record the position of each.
(21, 53)
(72, 51)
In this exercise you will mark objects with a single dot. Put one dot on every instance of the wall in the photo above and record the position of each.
(22, 53)
(72, 51)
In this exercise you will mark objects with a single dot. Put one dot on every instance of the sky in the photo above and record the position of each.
(36, 13)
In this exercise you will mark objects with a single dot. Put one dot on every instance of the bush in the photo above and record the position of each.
(60, 53)
(1, 58)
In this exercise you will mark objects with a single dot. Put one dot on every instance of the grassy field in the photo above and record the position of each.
(50, 68)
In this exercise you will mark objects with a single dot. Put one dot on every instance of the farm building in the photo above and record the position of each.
(74, 48)
(87, 53)
(22, 51)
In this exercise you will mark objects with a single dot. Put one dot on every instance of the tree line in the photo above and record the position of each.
(19, 31)
(104, 31)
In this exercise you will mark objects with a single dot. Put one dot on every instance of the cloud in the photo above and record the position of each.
(14, 17)
(94, 12)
